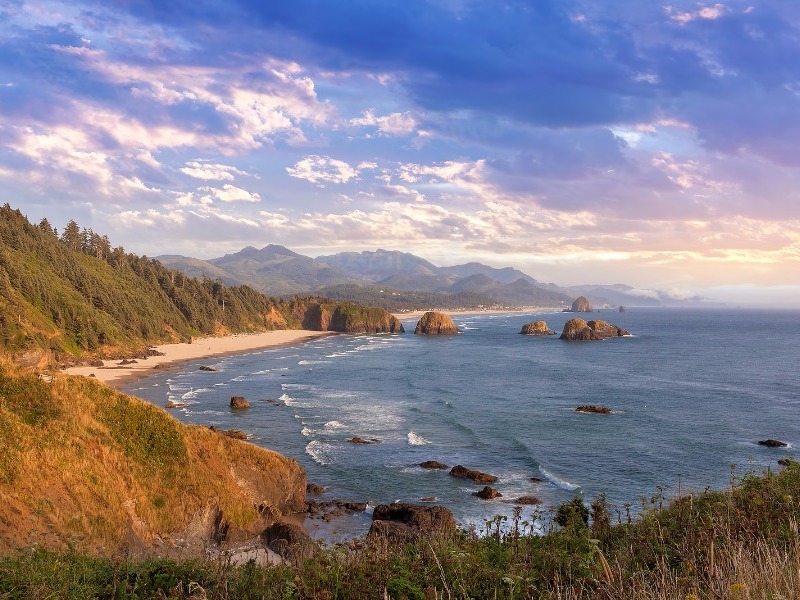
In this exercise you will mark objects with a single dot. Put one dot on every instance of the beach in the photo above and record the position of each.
(171, 355)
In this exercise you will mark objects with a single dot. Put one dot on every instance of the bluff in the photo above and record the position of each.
(580, 330)
(345, 317)
(436, 323)
(85, 467)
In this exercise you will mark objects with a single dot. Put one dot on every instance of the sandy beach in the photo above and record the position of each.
(115, 375)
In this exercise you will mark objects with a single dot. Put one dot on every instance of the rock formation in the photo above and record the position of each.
(239, 402)
(436, 323)
(287, 540)
(360, 440)
(581, 304)
(580, 330)
(537, 328)
(344, 318)
(463, 473)
(403, 522)
(527, 500)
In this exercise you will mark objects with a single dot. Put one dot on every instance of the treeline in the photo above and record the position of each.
(74, 294)
(395, 300)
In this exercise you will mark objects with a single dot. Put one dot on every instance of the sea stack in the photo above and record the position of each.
(579, 330)
(582, 305)
(436, 323)
(537, 328)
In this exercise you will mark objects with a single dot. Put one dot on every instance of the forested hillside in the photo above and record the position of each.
(69, 295)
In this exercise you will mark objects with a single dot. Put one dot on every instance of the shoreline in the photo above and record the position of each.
(116, 375)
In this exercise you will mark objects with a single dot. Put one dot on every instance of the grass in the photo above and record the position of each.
(742, 543)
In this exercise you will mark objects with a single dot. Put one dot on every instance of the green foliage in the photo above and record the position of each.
(572, 513)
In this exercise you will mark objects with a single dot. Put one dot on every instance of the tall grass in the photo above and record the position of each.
(742, 543)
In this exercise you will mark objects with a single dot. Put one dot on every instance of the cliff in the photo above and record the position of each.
(344, 317)
(85, 467)
(580, 330)
(436, 323)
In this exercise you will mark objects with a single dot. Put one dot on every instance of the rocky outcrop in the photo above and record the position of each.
(432, 464)
(773, 443)
(332, 509)
(527, 500)
(314, 489)
(346, 318)
(403, 522)
(462, 472)
(537, 328)
(207, 368)
(487, 493)
(239, 402)
(360, 440)
(287, 540)
(594, 408)
(436, 323)
(580, 330)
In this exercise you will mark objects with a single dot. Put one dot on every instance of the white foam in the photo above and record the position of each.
(194, 393)
(313, 362)
(562, 483)
(320, 452)
(334, 425)
(416, 440)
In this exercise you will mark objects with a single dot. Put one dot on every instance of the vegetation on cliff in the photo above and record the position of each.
(68, 295)
(84, 467)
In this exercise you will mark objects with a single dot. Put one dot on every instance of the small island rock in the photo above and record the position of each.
(207, 368)
(360, 440)
(582, 304)
(527, 500)
(580, 330)
(463, 473)
(537, 328)
(436, 323)
(239, 402)
(773, 443)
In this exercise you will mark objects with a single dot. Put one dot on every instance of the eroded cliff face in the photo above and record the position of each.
(436, 323)
(580, 330)
(348, 318)
(83, 466)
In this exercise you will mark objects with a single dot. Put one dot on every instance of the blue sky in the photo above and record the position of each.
(584, 142)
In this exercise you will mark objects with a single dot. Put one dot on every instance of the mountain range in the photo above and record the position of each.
(401, 281)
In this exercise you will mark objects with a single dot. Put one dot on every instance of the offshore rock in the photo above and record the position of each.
(239, 402)
(432, 464)
(581, 304)
(404, 522)
(594, 408)
(579, 330)
(773, 443)
(436, 323)
(537, 328)
(487, 493)
(462, 472)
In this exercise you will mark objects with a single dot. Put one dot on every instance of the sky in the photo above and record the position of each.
(648, 143)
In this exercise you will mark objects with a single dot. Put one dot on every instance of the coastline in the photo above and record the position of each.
(416, 314)
(117, 375)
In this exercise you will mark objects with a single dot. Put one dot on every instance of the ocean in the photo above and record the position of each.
(692, 392)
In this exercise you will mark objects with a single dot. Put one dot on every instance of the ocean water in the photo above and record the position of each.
(692, 392)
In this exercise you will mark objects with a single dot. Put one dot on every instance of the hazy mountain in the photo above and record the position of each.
(504, 275)
(195, 267)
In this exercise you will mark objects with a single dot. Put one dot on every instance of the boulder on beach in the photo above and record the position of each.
(403, 522)
(773, 443)
(537, 328)
(436, 323)
(239, 402)
(580, 330)
(432, 464)
(594, 408)
(581, 304)
(462, 472)
(288, 540)
(487, 493)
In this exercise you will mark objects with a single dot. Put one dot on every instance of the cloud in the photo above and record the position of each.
(322, 169)
(394, 124)
(229, 193)
(211, 171)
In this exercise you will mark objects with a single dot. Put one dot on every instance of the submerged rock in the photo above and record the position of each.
(487, 493)
(360, 440)
(432, 464)
(773, 443)
(207, 368)
(580, 330)
(527, 500)
(436, 323)
(404, 522)
(462, 472)
(594, 408)
(537, 328)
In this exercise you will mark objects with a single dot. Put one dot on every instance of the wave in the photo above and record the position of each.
(334, 425)
(194, 393)
(313, 362)
(320, 452)
(296, 386)
(416, 440)
(562, 483)
(308, 432)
